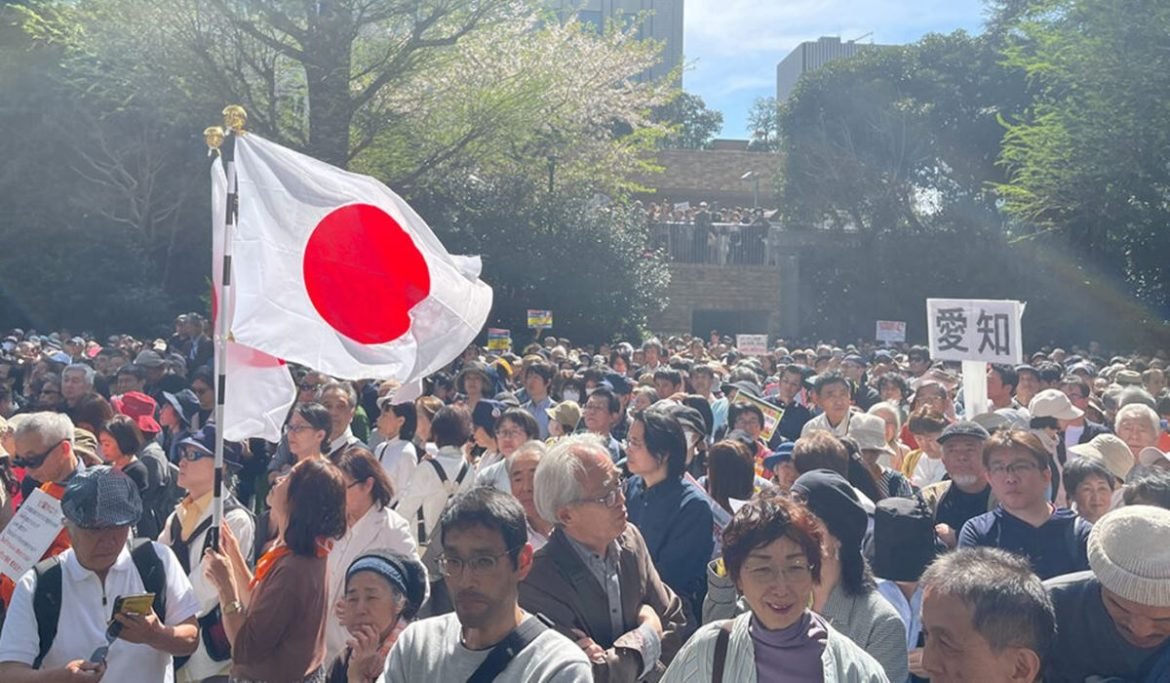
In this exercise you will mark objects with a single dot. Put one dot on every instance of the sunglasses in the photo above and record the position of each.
(36, 459)
(193, 454)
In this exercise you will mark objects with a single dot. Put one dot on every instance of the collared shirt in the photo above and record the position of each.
(538, 411)
(608, 574)
(910, 610)
(821, 423)
(87, 605)
(399, 459)
(340, 443)
(190, 513)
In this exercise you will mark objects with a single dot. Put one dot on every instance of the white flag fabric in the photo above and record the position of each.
(334, 271)
(260, 389)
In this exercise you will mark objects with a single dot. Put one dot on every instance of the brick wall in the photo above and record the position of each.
(725, 288)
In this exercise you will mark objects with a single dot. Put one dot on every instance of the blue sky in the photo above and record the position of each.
(731, 47)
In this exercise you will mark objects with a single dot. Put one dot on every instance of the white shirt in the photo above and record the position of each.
(928, 471)
(201, 665)
(378, 529)
(86, 607)
(426, 492)
(1072, 435)
(821, 423)
(399, 459)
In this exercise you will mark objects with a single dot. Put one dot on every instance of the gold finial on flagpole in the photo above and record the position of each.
(213, 136)
(235, 118)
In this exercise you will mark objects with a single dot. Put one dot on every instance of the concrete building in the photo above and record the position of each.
(663, 22)
(810, 56)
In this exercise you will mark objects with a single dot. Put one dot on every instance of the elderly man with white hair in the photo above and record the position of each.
(595, 579)
(1137, 424)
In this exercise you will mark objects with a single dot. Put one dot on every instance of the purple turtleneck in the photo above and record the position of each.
(792, 654)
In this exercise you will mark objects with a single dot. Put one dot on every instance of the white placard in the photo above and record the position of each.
(752, 344)
(891, 331)
(975, 329)
(30, 533)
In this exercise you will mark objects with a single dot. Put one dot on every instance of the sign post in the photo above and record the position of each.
(975, 332)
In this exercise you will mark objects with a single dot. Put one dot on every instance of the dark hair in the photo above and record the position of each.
(859, 476)
(125, 433)
(820, 450)
(926, 420)
(665, 440)
(1049, 373)
(522, 419)
(1077, 470)
(765, 519)
(1007, 375)
(318, 418)
(91, 409)
(1017, 440)
(409, 414)
(731, 472)
(137, 371)
(203, 374)
(920, 352)
(541, 368)
(441, 380)
(739, 408)
(611, 399)
(316, 505)
(1079, 382)
(826, 379)
(1009, 605)
(703, 407)
(451, 426)
(669, 374)
(360, 464)
(487, 507)
(1150, 487)
(897, 380)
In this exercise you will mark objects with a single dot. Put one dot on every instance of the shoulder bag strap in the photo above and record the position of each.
(722, 640)
(47, 605)
(154, 574)
(507, 649)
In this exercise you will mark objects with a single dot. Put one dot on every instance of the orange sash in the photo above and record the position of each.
(274, 554)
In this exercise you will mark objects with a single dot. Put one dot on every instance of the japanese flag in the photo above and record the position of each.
(334, 271)
(259, 388)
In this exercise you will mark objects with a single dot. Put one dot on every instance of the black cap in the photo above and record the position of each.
(619, 383)
(204, 442)
(964, 428)
(486, 413)
(902, 544)
(831, 498)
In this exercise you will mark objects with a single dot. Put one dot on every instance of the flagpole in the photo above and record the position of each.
(234, 118)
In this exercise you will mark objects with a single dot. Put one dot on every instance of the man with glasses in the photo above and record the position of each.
(485, 556)
(595, 579)
(1025, 522)
(601, 411)
(44, 447)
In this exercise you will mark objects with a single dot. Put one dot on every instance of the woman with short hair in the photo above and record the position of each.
(772, 551)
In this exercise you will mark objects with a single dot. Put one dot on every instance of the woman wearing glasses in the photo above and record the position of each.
(370, 524)
(185, 532)
(514, 428)
(308, 431)
(773, 550)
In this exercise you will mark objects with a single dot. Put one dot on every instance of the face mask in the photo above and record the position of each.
(571, 395)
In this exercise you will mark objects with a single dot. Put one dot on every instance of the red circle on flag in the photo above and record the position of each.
(364, 274)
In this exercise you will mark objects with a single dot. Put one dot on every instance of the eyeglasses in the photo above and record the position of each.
(611, 498)
(193, 454)
(291, 428)
(37, 459)
(793, 573)
(479, 565)
(1013, 468)
(50, 392)
(511, 433)
(308, 386)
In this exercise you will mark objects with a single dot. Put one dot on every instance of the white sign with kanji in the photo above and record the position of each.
(975, 329)
(752, 344)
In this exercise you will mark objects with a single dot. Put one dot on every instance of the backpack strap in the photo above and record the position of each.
(422, 522)
(722, 640)
(507, 649)
(153, 573)
(47, 605)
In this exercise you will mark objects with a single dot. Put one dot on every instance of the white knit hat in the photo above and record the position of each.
(1129, 552)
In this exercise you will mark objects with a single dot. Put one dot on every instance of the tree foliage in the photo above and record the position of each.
(692, 124)
(764, 124)
(1089, 162)
(899, 138)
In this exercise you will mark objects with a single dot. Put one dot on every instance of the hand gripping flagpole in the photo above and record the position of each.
(234, 119)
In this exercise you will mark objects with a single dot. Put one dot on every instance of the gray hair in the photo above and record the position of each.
(529, 447)
(48, 427)
(1131, 395)
(83, 369)
(558, 479)
(1009, 605)
(1140, 411)
(345, 388)
(892, 410)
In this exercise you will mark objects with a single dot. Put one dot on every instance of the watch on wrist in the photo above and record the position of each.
(233, 607)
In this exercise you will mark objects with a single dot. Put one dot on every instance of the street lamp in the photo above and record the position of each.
(752, 175)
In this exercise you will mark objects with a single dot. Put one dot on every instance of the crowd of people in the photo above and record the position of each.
(675, 511)
(711, 234)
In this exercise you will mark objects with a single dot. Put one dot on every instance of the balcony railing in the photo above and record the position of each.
(722, 244)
